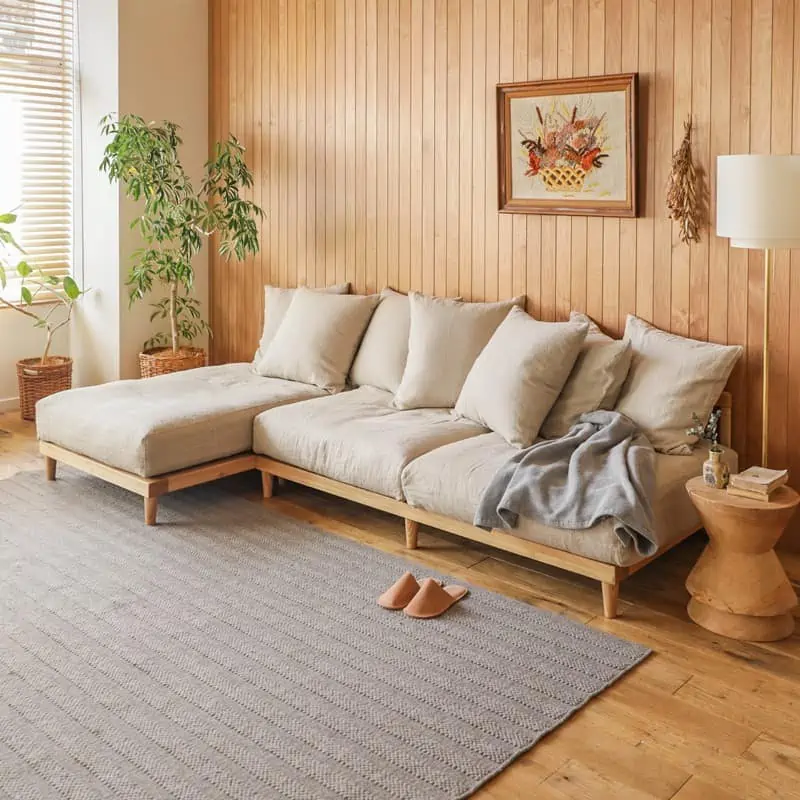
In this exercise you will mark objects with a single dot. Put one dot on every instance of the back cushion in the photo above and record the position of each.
(318, 338)
(381, 358)
(276, 303)
(672, 377)
(445, 338)
(595, 380)
(519, 374)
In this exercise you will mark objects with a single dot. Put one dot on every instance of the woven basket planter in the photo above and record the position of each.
(162, 361)
(37, 380)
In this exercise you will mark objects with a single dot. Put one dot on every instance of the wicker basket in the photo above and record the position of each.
(37, 380)
(562, 179)
(162, 361)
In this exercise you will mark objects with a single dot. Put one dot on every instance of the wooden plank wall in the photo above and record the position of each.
(370, 125)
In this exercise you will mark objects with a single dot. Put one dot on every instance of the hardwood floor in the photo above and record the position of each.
(704, 718)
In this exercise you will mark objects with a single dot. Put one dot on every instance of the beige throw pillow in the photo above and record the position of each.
(276, 304)
(318, 338)
(519, 374)
(670, 378)
(445, 338)
(381, 358)
(595, 380)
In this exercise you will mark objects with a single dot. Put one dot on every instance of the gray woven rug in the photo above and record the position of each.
(233, 653)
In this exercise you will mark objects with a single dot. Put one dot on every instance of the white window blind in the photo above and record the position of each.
(36, 128)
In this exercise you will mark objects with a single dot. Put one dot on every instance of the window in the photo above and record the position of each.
(36, 128)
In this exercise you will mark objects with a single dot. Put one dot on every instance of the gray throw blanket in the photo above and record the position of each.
(604, 467)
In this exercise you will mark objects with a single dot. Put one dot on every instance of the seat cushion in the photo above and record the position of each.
(356, 437)
(452, 479)
(163, 424)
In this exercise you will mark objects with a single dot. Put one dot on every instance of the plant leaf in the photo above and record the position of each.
(26, 295)
(71, 288)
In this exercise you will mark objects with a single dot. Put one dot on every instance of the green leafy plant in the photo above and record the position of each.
(37, 290)
(177, 219)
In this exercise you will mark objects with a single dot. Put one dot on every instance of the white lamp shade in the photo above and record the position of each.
(758, 200)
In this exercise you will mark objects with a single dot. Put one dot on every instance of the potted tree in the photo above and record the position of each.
(175, 221)
(48, 300)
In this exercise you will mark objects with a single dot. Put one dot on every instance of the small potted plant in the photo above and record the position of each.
(716, 472)
(175, 221)
(48, 300)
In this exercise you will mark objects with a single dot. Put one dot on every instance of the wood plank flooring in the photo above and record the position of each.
(704, 718)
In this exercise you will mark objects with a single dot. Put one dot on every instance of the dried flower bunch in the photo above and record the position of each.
(571, 139)
(708, 430)
(683, 199)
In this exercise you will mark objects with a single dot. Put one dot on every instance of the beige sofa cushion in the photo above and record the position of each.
(356, 437)
(452, 479)
(276, 304)
(318, 338)
(519, 374)
(595, 380)
(670, 378)
(381, 358)
(166, 423)
(445, 338)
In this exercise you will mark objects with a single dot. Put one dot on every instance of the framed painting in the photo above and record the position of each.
(568, 146)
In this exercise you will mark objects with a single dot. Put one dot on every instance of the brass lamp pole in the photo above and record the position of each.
(768, 261)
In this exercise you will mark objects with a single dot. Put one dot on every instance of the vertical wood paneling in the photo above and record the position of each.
(370, 125)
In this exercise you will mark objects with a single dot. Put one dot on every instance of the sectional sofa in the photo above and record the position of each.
(408, 405)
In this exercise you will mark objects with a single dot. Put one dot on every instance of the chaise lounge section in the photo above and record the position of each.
(165, 433)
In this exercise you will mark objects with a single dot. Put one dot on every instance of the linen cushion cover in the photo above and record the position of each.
(165, 423)
(318, 338)
(595, 380)
(357, 437)
(519, 374)
(452, 479)
(445, 338)
(381, 358)
(276, 303)
(670, 378)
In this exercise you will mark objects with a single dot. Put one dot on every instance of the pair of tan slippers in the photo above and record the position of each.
(421, 600)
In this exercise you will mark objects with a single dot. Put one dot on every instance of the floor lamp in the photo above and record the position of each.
(758, 207)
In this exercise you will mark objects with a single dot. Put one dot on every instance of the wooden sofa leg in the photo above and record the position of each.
(150, 510)
(50, 468)
(412, 532)
(267, 485)
(610, 599)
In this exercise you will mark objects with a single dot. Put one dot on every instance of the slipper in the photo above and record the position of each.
(433, 599)
(400, 594)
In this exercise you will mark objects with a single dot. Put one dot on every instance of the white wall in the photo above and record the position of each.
(95, 332)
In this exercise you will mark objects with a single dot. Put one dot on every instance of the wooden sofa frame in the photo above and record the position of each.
(609, 575)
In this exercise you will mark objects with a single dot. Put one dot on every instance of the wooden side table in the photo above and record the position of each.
(739, 588)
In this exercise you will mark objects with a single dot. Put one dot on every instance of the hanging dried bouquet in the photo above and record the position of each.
(683, 190)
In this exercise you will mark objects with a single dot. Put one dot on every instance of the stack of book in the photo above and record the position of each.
(757, 483)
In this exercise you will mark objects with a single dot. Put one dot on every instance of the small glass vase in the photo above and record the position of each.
(715, 471)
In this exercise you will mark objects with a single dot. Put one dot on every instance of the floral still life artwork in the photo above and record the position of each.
(568, 147)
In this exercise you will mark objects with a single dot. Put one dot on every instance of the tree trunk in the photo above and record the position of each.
(173, 315)
(49, 342)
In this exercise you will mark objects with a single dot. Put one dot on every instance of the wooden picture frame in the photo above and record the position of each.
(568, 146)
